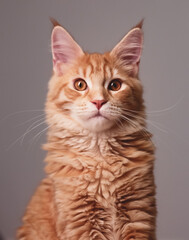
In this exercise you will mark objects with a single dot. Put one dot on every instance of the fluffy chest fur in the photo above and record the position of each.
(104, 196)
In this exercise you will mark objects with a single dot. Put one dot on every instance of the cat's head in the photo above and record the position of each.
(94, 91)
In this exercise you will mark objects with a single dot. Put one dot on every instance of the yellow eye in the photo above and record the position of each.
(80, 84)
(114, 85)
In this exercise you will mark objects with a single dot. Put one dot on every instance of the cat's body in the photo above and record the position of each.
(100, 182)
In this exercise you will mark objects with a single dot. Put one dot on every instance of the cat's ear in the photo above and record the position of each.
(128, 51)
(65, 50)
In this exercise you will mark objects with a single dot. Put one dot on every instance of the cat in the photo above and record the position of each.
(100, 161)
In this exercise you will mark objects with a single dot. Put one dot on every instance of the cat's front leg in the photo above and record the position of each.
(136, 210)
(143, 229)
(138, 232)
(137, 220)
(39, 219)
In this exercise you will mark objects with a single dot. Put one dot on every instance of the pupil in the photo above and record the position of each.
(114, 85)
(80, 85)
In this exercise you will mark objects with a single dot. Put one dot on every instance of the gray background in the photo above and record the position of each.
(97, 25)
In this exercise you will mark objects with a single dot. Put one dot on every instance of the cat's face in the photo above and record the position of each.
(94, 91)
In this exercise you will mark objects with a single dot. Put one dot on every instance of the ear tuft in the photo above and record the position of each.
(140, 24)
(54, 22)
(65, 50)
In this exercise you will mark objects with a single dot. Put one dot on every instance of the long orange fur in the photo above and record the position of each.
(99, 184)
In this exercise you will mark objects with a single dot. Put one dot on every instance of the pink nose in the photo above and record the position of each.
(98, 103)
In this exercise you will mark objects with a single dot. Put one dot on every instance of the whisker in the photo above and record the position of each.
(155, 112)
(18, 112)
(31, 127)
(38, 135)
(142, 129)
(31, 119)
(169, 108)
(118, 123)
(22, 136)
(153, 123)
(28, 130)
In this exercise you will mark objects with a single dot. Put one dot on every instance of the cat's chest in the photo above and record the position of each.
(101, 189)
(92, 194)
(100, 184)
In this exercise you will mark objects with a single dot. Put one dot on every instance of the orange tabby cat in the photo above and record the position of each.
(100, 182)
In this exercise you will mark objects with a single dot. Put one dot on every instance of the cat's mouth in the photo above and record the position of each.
(97, 121)
(97, 115)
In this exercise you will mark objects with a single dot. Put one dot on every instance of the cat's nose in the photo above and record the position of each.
(98, 103)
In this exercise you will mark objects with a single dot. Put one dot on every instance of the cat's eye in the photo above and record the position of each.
(115, 85)
(80, 84)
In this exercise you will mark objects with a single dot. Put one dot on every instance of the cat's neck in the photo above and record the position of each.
(93, 144)
(84, 150)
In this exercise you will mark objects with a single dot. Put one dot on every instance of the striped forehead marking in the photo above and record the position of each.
(115, 72)
(81, 72)
(108, 72)
(97, 67)
(88, 71)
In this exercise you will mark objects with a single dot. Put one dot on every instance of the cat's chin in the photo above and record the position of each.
(97, 124)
